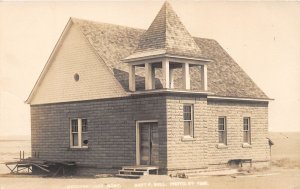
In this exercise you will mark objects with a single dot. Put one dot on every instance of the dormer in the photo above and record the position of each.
(167, 49)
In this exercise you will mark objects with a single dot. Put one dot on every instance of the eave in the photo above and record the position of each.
(171, 57)
(239, 98)
(170, 91)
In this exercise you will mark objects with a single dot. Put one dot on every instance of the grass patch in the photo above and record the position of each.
(286, 163)
(253, 169)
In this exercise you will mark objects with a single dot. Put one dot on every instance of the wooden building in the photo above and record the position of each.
(112, 96)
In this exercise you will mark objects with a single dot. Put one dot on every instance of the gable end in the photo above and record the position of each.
(74, 72)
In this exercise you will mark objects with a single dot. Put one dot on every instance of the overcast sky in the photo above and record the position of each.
(263, 37)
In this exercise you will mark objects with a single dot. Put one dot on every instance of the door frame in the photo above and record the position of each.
(137, 138)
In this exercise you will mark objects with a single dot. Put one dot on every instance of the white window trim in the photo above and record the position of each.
(221, 146)
(191, 136)
(225, 131)
(79, 121)
(246, 144)
(187, 138)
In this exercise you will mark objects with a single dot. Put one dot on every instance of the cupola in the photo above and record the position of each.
(167, 45)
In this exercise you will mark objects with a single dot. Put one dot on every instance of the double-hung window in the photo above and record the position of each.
(246, 130)
(78, 133)
(222, 130)
(188, 120)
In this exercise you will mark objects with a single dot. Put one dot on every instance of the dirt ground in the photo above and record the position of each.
(275, 178)
(284, 173)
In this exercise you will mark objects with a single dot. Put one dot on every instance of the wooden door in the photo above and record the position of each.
(149, 144)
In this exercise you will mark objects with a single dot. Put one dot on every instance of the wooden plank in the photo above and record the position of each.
(145, 144)
(11, 170)
(57, 171)
(44, 169)
(154, 144)
(128, 176)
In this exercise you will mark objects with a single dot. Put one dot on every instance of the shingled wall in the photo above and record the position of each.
(203, 152)
(112, 132)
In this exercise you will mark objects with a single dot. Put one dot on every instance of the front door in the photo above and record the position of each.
(149, 143)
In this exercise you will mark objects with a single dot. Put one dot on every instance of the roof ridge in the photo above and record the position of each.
(165, 22)
(129, 27)
(169, 10)
(77, 20)
(113, 44)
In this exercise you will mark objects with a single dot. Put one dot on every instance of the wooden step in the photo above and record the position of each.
(122, 172)
(137, 171)
(128, 176)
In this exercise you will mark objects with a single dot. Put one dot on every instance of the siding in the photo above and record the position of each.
(75, 55)
(111, 130)
(234, 112)
(186, 154)
(203, 151)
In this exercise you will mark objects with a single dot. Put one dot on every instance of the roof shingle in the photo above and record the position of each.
(166, 35)
(113, 43)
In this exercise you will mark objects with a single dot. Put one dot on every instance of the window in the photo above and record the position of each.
(76, 77)
(84, 132)
(188, 120)
(74, 132)
(79, 135)
(246, 130)
(222, 129)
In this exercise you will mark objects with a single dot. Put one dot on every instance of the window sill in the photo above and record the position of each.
(78, 148)
(222, 146)
(187, 138)
(246, 145)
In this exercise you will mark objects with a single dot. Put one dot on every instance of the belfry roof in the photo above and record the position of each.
(166, 35)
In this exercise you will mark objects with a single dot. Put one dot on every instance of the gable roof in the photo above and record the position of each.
(166, 35)
(77, 55)
(113, 43)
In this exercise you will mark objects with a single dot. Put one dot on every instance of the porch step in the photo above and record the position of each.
(137, 171)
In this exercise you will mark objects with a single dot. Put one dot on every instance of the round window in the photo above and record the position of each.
(76, 77)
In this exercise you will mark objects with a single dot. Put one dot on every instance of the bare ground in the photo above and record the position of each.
(284, 174)
(275, 178)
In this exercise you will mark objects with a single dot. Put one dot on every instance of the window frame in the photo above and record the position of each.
(79, 133)
(191, 121)
(247, 131)
(224, 131)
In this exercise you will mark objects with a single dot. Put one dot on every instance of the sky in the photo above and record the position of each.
(262, 37)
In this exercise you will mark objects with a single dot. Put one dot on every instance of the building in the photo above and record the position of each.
(112, 96)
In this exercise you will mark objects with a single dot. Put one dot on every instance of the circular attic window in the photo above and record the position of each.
(76, 77)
